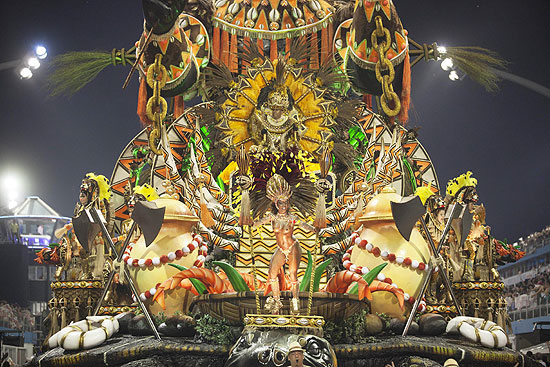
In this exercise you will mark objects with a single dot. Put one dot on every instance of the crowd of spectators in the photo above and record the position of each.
(530, 292)
(14, 317)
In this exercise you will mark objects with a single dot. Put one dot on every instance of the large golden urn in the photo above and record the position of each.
(175, 233)
(406, 260)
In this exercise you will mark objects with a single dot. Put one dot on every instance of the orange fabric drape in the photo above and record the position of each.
(273, 50)
(142, 103)
(216, 47)
(179, 106)
(233, 63)
(314, 62)
(406, 90)
(224, 47)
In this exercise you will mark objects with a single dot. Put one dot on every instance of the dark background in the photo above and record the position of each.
(501, 137)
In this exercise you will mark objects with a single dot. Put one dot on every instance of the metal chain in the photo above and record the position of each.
(157, 107)
(383, 63)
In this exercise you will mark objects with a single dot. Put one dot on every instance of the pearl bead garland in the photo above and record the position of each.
(197, 242)
(386, 255)
(171, 256)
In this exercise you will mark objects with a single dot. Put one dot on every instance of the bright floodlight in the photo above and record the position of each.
(453, 75)
(41, 52)
(33, 62)
(442, 49)
(10, 182)
(447, 64)
(25, 73)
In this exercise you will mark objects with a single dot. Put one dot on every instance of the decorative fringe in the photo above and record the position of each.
(287, 46)
(325, 44)
(224, 48)
(405, 91)
(367, 99)
(233, 59)
(359, 210)
(63, 316)
(314, 61)
(55, 320)
(77, 311)
(320, 212)
(142, 103)
(273, 50)
(99, 260)
(244, 217)
(325, 162)
(179, 106)
(501, 320)
(206, 216)
(478, 63)
(260, 43)
(216, 46)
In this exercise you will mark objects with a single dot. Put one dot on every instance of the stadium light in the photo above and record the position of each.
(33, 62)
(25, 73)
(41, 52)
(447, 64)
(453, 75)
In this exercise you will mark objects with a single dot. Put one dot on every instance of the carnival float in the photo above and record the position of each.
(275, 209)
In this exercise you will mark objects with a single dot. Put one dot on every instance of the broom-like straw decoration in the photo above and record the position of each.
(75, 69)
(245, 183)
(322, 185)
(244, 216)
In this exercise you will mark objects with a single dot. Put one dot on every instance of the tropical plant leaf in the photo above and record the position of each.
(236, 279)
(369, 277)
(318, 273)
(304, 284)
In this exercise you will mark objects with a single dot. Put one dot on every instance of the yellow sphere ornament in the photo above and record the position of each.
(175, 233)
(404, 259)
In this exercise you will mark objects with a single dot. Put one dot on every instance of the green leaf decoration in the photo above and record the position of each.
(237, 281)
(199, 286)
(369, 277)
(318, 273)
(304, 284)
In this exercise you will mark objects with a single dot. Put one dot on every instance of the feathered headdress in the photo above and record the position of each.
(291, 168)
(424, 192)
(148, 192)
(278, 189)
(455, 185)
(102, 184)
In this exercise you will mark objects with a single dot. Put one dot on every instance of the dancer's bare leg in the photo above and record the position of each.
(277, 262)
(294, 259)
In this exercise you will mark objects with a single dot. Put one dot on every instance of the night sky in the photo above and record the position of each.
(502, 137)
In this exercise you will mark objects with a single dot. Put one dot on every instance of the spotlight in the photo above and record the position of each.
(442, 50)
(453, 75)
(25, 73)
(447, 64)
(33, 62)
(41, 52)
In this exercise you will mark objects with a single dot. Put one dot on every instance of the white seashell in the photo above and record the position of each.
(314, 5)
(296, 13)
(252, 14)
(274, 15)
(234, 8)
